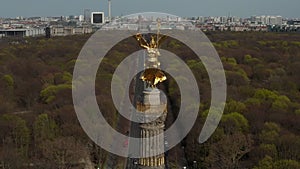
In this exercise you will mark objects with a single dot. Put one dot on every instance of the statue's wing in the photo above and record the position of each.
(143, 43)
(160, 76)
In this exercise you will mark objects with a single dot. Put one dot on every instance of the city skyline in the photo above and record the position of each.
(31, 8)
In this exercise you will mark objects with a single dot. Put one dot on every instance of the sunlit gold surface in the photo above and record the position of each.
(154, 42)
(153, 76)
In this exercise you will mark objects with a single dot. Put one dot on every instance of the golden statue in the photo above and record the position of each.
(154, 42)
(152, 75)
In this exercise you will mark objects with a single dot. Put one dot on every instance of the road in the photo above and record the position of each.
(134, 126)
(125, 126)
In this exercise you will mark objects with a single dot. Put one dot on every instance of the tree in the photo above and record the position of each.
(9, 157)
(270, 133)
(234, 122)
(15, 138)
(265, 163)
(270, 99)
(269, 163)
(64, 153)
(290, 164)
(15, 129)
(234, 106)
(288, 146)
(226, 153)
(45, 128)
(49, 93)
(236, 78)
(231, 145)
(268, 150)
(8, 87)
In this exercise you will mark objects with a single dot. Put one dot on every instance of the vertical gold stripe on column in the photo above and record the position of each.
(159, 163)
(146, 147)
(155, 144)
(150, 145)
(141, 146)
(152, 164)
(159, 141)
(157, 147)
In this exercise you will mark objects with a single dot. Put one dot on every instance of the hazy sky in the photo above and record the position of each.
(243, 8)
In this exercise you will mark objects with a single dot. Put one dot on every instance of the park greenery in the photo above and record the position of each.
(259, 129)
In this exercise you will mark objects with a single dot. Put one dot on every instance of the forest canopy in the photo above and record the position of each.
(259, 129)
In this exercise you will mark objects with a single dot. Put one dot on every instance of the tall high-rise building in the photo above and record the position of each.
(109, 10)
(279, 20)
(81, 18)
(267, 20)
(201, 19)
(273, 20)
(87, 15)
(263, 19)
(223, 19)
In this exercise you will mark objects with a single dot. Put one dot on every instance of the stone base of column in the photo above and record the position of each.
(152, 106)
(147, 167)
(151, 97)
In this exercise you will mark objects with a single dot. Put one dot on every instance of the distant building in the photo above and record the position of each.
(201, 19)
(71, 17)
(87, 15)
(293, 22)
(48, 32)
(263, 20)
(59, 30)
(273, 20)
(81, 18)
(223, 19)
(266, 20)
(279, 20)
(22, 32)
